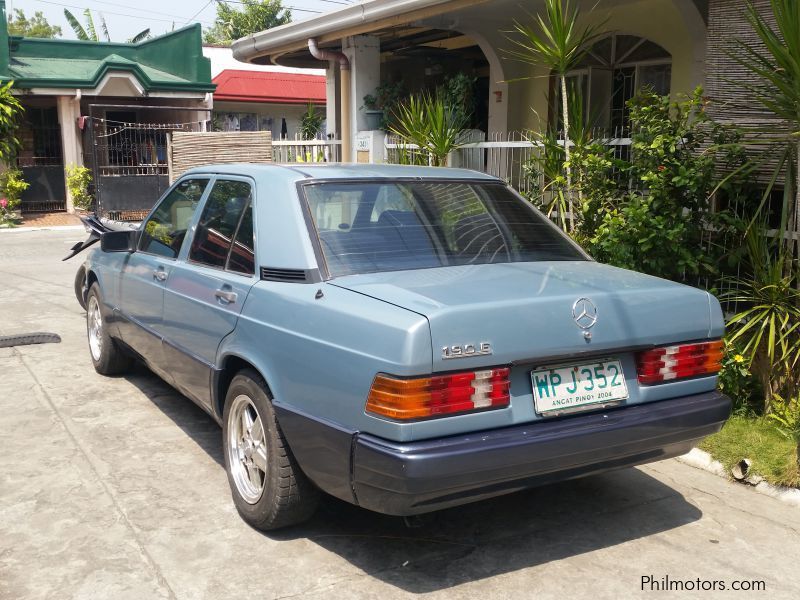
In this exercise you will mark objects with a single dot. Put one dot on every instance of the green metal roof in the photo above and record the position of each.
(171, 62)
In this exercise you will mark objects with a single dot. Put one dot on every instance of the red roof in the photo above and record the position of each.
(267, 86)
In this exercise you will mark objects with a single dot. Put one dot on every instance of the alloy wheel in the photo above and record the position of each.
(94, 324)
(247, 449)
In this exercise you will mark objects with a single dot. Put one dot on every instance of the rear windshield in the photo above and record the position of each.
(366, 227)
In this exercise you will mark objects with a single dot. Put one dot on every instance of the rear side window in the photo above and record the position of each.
(219, 224)
(366, 227)
(165, 230)
(242, 257)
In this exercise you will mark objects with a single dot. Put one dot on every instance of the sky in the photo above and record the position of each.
(126, 18)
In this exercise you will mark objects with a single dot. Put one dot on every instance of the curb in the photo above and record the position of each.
(699, 459)
(43, 228)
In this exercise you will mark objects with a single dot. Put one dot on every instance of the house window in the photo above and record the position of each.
(615, 69)
(238, 121)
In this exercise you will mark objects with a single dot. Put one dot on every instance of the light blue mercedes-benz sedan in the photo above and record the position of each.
(403, 338)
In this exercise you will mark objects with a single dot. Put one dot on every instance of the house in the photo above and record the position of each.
(253, 97)
(661, 43)
(108, 106)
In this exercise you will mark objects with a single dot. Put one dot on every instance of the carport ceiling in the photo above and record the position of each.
(398, 40)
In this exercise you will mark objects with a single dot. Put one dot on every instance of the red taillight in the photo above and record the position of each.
(679, 362)
(425, 397)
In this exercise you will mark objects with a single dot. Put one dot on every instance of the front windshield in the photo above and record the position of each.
(367, 227)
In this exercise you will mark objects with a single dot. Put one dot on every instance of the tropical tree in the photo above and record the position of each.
(558, 43)
(253, 16)
(776, 65)
(89, 33)
(35, 27)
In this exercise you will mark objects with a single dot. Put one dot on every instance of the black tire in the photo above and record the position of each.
(80, 283)
(107, 357)
(287, 496)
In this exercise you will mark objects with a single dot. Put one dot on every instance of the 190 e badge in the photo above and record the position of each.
(466, 350)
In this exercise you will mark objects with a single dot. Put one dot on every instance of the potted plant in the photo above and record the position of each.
(373, 114)
(379, 107)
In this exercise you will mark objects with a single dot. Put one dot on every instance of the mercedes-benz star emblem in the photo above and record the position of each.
(585, 313)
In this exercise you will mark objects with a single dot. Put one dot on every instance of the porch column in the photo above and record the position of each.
(332, 100)
(364, 53)
(69, 109)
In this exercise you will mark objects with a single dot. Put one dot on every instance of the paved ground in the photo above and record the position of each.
(49, 219)
(114, 488)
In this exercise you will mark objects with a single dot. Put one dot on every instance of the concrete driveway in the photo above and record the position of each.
(114, 488)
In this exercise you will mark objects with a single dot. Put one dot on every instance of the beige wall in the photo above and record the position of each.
(669, 23)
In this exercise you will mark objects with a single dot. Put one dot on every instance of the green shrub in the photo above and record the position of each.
(656, 217)
(11, 188)
(737, 381)
(786, 416)
(78, 181)
(10, 112)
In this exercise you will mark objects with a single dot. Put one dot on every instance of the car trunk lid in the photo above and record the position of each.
(524, 311)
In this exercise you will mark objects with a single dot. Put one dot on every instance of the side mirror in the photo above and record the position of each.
(119, 241)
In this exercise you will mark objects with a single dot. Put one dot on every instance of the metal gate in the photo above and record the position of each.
(129, 154)
(41, 161)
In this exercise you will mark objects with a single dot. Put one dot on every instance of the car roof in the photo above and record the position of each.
(301, 171)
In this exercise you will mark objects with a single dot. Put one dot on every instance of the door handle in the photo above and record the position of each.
(160, 275)
(226, 296)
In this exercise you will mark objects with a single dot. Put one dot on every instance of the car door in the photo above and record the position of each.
(208, 285)
(146, 271)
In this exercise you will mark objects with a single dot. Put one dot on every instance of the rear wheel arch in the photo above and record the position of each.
(231, 365)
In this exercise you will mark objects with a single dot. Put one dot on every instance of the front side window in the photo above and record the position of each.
(366, 227)
(226, 211)
(164, 231)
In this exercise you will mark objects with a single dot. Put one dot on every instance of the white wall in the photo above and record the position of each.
(222, 58)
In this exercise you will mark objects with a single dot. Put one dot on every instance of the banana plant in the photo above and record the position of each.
(89, 32)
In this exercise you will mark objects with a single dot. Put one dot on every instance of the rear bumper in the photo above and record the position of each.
(418, 477)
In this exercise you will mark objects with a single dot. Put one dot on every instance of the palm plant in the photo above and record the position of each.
(89, 33)
(558, 43)
(310, 122)
(776, 64)
(430, 123)
(768, 327)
